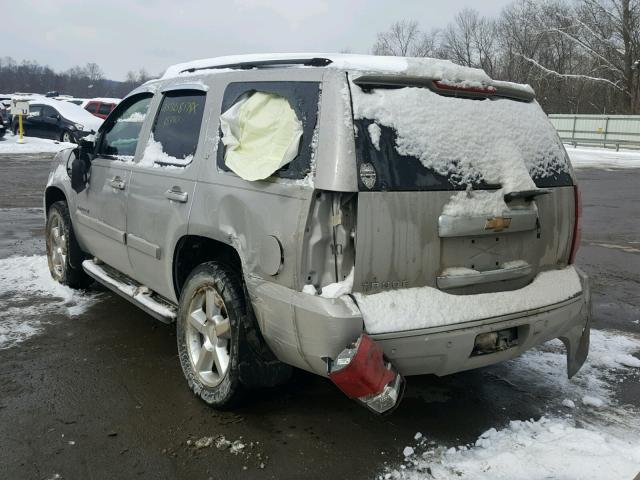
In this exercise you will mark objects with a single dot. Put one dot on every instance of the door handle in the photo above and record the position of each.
(117, 182)
(177, 195)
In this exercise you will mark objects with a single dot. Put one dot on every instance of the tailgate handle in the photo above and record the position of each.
(445, 282)
(177, 195)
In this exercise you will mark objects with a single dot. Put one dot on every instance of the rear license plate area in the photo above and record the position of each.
(492, 342)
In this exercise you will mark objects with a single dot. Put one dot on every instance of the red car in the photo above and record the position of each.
(101, 107)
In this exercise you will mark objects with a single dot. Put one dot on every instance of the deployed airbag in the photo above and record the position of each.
(261, 133)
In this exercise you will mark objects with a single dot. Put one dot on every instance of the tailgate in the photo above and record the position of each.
(468, 195)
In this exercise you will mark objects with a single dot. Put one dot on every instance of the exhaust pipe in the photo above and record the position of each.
(364, 375)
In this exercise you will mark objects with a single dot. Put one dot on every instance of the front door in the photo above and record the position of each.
(162, 189)
(101, 215)
(50, 123)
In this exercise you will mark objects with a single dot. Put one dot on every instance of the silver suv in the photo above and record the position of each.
(362, 218)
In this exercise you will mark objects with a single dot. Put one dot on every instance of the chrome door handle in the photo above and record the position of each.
(176, 195)
(117, 182)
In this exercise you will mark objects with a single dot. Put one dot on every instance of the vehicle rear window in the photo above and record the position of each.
(92, 107)
(412, 138)
(302, 97)
(177, 125)
(105, 108)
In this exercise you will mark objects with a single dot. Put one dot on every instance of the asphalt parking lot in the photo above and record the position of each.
(97, 392)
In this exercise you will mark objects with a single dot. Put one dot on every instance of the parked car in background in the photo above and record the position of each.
(57, 120)
(101, 107)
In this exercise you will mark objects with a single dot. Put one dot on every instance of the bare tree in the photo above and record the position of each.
(405, 39)
(94, 72)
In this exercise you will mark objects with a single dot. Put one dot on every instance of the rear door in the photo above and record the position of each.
(468, 195)
(102, 207)
(162, 188)
(32, 123)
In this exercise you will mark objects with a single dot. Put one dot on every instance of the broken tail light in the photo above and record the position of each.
(363, 374)
(577, 227)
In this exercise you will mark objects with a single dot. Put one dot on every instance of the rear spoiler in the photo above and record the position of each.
(498, 89)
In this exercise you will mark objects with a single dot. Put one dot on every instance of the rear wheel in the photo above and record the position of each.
(63, 252)
(211, 311)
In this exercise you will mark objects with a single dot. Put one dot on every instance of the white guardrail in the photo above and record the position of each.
(611, 131)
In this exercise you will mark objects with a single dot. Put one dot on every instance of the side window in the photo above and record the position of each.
(48, 112)
(283, 113)
(176, 129)
(92, 107)
(105, 108)
(35, 111)
(120, 134)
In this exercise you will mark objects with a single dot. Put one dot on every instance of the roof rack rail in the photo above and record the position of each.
(308, 62)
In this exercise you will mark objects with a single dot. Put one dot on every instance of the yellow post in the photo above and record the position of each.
(20, 140)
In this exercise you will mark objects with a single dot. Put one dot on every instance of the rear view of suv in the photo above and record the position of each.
(362, 218)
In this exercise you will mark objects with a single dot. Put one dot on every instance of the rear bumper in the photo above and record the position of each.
(443, 351)
(304, 330)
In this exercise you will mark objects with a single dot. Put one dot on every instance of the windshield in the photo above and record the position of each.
(415, 139)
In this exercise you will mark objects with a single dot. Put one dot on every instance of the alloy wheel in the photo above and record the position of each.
(208, 336)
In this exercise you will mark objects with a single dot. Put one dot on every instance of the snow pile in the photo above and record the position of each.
(597, 439)
(32, 145)
(135, 117)
(153, 153)
(499, 141)
(586, 157)
(333, 290)
(610, 354)
(547, 448)
(423, 307)
(26, 291)
(374, 134)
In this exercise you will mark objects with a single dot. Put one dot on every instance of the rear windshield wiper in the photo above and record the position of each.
(526, 194)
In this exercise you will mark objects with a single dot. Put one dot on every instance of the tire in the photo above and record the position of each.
(63, 252)
(210, 320)
(67, 136)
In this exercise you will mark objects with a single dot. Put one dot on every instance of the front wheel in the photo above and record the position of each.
(67, 136)
(212, 308)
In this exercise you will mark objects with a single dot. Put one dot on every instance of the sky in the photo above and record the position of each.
(124, 35)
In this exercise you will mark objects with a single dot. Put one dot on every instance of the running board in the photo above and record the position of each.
(128, 288)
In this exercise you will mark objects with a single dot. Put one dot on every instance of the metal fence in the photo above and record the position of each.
(612, 131)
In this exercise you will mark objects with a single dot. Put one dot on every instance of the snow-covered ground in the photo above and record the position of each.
(591, 157)
(586, 433)
(9, 145)
(27, 292)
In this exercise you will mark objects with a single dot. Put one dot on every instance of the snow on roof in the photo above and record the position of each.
(71, 112)
(422, 66)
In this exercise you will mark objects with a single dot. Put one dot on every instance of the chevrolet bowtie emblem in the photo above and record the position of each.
(497, 224)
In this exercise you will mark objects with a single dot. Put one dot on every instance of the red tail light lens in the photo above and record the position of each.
(363, 374)
(577, 227)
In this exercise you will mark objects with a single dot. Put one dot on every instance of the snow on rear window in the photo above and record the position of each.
(497, 141)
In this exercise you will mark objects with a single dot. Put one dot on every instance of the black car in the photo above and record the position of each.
(57, 120)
